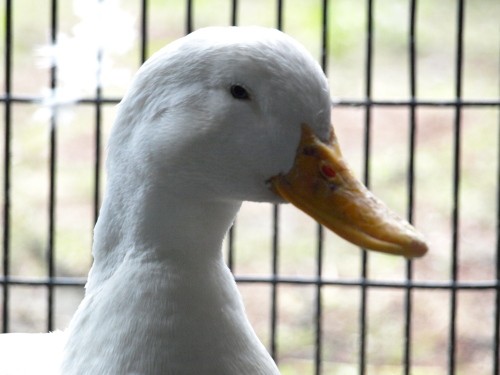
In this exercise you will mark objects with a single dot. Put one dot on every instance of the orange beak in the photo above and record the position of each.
(321, 184)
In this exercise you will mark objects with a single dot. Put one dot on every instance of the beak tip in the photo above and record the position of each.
(418, 248)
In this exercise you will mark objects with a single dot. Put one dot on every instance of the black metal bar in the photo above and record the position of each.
(232, 231)
(413, 99)
(411, 182)
(189, 16)
(336, 103)
(275, 248)
(97, 146)
(98, 135)
(305, 281)
(39, 101)
(318, 303)
(438, 285)
(420, 103)
(496, 335)
(144, 31)
(234, 13)
(7, 163)
(279, 22)
(456, 189)
(274, 287)
(324, 36)
(320, 234)
(52, 172)
(230, 247)
(54, 281)
(367, 145)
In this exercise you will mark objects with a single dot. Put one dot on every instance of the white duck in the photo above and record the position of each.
(221, 116)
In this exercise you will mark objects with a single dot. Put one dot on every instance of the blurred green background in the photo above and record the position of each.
(114, 25)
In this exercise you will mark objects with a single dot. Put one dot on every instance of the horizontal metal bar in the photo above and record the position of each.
(45, 281)
(40, 101)
(416, 102)
(403, 284)
(335, 102)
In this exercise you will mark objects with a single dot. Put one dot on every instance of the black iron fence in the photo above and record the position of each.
(422, 127)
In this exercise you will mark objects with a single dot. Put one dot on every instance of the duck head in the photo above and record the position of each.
(235, 114)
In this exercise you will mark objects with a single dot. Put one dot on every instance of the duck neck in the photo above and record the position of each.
(159, 281)
(147, 223)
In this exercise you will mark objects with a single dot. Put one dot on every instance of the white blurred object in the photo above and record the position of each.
(84, 59)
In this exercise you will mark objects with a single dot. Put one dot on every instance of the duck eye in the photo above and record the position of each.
(239, 92)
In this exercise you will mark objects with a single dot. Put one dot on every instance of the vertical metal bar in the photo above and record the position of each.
(324, 36)
(411, 180)
(367, 150)
(52, 173)
(234, 13)
(456, 187)
(319, 306)
(274, 286)
(496, 336)
(189, 16)
(144, 31)
(279, 22)
(230, 247)
(275, 256)
(98, 142)
(98, 133)
(232, 230)
(320, 234)
(7, 164)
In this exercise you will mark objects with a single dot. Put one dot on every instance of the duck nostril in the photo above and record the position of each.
(328, 171)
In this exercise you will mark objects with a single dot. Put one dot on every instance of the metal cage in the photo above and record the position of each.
(419, 117)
